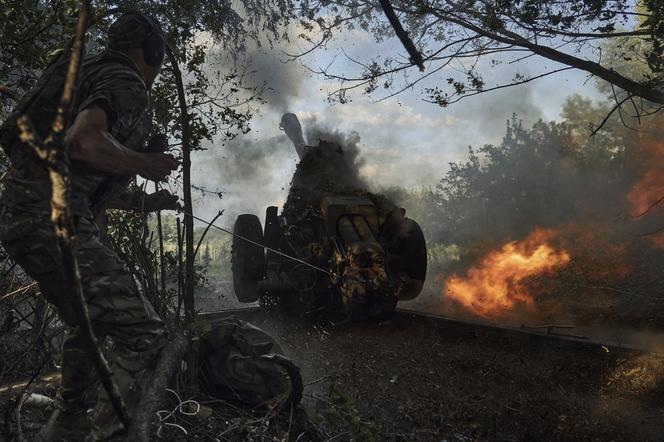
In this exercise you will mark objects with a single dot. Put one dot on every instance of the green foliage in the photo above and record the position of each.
(31, 32)
(218, 102)
(217, 98)
(129, 235)
(461, 33)
(420, 205)
(654, 21)
(532, 178)
(214, 256)
(544, 176)
(614, 140)
(206, 258)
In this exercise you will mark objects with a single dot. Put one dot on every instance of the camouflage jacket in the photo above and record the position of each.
(110, 81)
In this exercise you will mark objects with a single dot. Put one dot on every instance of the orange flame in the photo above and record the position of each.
(498, 282)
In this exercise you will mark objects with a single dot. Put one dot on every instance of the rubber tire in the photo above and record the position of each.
(410, 252)
(248, 260)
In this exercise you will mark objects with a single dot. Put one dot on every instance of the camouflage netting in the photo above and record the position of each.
(328, 169)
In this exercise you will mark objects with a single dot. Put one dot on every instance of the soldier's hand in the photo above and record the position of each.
(157, 144)
(161, 200)
(157, 166)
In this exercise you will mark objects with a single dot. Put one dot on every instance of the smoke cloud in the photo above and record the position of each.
(330, 165)
(488, 113)
(341, 161)
(252, 173)
(283, 80)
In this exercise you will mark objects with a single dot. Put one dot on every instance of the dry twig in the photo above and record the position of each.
(200, 241)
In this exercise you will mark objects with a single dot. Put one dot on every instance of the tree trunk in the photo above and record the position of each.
(188, 292)
(142, 429)
(160, 235)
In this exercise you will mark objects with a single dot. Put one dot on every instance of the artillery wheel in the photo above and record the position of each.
(409, 256)
(248, 260)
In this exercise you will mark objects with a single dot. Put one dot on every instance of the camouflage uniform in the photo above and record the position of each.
(117, 309)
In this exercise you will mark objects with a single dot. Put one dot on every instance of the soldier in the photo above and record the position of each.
(106, 146)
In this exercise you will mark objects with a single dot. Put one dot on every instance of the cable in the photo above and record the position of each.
(257, 244)
(261, 245)
(164, 415)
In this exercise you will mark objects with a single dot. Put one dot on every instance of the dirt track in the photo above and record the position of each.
(420, 379)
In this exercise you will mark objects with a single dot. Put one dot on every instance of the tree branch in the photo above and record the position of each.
(650, 207)
(415, 55)
(200, 241)
(606, 118)
(508, 37)
(188, 289)
(169, 362)
(503, 86)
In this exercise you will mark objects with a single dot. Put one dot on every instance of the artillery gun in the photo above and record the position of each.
(355, 252)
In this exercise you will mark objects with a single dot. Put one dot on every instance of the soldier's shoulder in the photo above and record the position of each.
(115, 70)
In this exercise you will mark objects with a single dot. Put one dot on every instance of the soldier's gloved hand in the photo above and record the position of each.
(161, 200)
(157, 166)
(157, 144)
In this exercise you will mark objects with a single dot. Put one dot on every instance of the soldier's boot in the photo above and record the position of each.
(70, 421)
(106, 424)
(131, 372)
(65, 427)
(78, 390)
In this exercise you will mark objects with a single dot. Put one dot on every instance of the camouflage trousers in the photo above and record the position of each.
(117, 311)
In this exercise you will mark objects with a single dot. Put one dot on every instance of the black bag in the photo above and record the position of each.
(242, 364)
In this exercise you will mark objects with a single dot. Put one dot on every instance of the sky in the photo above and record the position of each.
(403, 141)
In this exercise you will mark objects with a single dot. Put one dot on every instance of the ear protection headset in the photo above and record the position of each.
(152, 42)
(154, 45)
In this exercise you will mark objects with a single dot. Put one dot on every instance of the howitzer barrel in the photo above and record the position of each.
(347, 231)
(291, 125)
(363, 229)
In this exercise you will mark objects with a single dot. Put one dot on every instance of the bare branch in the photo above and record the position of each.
(503, 86)
(508, 37)
(322, 41)
(200, 241)
(650, 207)
(462, 16)
(606, 118)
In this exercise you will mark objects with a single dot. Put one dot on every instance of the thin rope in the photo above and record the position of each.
(261, 245)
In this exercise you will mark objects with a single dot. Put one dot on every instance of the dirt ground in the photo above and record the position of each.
(416, 378)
